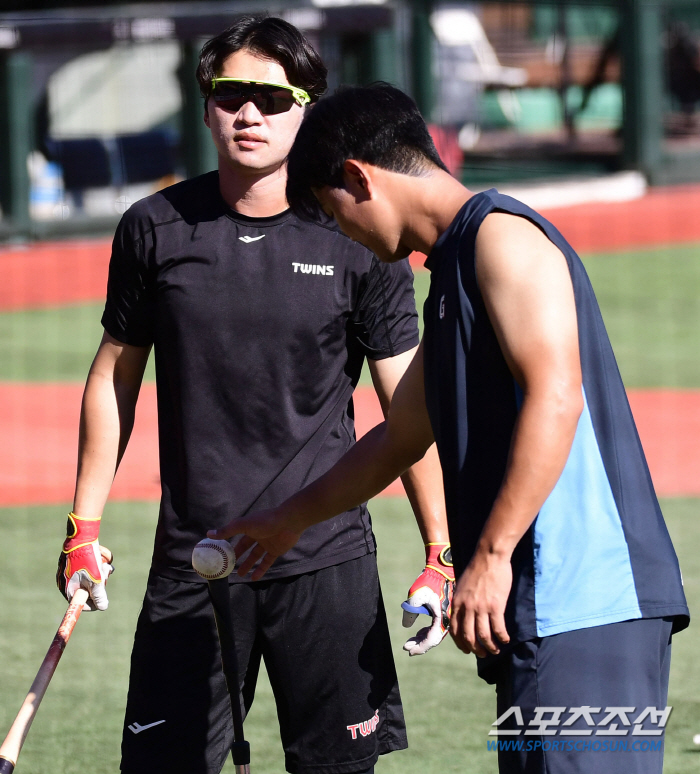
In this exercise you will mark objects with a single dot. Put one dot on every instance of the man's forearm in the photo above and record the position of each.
(424, 489)
(423, 480)
(369, 467)
(106, 421)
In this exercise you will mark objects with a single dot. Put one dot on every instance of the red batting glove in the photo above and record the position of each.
(84, 563)
(433, 590)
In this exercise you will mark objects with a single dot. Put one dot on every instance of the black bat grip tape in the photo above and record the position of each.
(219, 594)
(240, 752)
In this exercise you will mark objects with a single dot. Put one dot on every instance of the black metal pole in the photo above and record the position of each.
(16, 140)
(422, 57)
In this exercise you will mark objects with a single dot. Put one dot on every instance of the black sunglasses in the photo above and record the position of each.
(269, 98)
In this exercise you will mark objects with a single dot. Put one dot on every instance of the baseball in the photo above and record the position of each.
(213, 558)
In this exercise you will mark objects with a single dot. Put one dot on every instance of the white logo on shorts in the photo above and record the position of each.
(442, 307)
(137, 728)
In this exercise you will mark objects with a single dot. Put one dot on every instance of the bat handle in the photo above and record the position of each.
(240, 752)
(7, 766)
(219, 594)
(10, 748)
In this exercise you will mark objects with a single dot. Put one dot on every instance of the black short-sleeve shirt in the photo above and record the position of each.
(260, 327)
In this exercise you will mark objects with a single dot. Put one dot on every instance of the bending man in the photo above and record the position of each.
(568, 586)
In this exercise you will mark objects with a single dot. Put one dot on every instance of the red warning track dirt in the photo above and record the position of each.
(39, 443)
(53, 274)
(665, 216)
(39, 424)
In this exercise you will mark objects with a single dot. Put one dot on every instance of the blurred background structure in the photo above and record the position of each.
(99, 105)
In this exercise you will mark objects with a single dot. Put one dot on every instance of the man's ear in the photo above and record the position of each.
(357, 180)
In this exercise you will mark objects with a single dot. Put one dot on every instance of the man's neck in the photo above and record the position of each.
(430, 205)
(255, 194)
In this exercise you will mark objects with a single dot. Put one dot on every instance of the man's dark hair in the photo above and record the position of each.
(268, 37)
(377, 124)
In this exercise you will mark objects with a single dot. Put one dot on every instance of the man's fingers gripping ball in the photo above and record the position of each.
(432, 593)
(84, 563)
(267, 535)
(213, 559)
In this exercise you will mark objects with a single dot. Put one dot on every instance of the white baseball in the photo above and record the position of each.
(213, 558)
(696, 739)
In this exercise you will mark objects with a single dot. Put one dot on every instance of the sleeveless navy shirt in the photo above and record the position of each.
(598, 551)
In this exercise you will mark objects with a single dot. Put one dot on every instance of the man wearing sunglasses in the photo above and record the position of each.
(260, 323)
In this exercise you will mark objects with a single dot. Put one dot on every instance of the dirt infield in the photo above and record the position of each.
(39, 428)
(39, 443)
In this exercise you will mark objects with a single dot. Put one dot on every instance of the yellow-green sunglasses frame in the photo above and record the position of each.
(300, 96)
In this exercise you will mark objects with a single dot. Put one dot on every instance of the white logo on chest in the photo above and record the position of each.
(312, 268)
(248, 239)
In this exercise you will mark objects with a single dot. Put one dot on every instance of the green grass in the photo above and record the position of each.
(650, 301)
(55, 344)
(651, 305)
(49, 344)
(448, 709)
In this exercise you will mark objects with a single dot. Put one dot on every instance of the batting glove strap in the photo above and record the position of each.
(438, 557)
(80, 531)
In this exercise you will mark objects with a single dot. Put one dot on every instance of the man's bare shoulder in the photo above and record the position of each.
(509, 229)
(513, 243)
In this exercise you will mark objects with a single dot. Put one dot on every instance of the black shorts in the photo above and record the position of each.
(326, 646)
(584, 678)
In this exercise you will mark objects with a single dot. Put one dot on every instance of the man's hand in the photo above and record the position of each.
(432, 590)
(84, 563)
(478, 624)
(267, 535)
